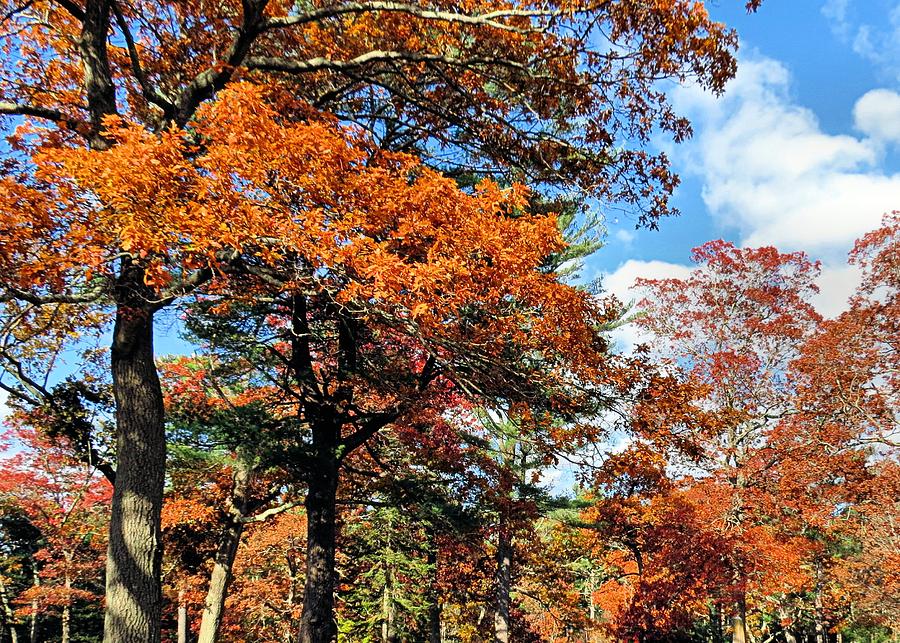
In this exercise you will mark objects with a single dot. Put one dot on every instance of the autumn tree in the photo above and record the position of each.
(223, 455)
(844, 434)
(734, 326)
(65, 503)
(547, 94)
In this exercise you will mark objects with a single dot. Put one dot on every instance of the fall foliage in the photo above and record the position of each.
(365, 220)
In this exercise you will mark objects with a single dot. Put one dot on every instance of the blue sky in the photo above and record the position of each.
(802, 152)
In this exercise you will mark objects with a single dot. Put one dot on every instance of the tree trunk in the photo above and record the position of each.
(388, 635)
(716, 623)
(738, 627)
(220, 579)
(434, 609)
(182, 619)
(504, 560)
(133, 590)
(66, 620)
(9, 616)
(317, 623)
(434, 623)
(820, 608)
(592, 613)
(33, 631)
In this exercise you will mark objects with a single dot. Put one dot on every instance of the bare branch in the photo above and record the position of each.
(12, 293)
(369, 428)
(151, 93)
(268, 513)
(23, 109)
(214, 78)
(15, 10)
(486, 19)
(375, 56)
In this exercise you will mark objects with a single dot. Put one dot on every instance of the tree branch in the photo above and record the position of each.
(98, 83)
(73, 9)
(214, 78)
(12, 293)
(369, 428)
(151, 93)
(268, 513)
(289, 66)
(24, 109)
(487, 19)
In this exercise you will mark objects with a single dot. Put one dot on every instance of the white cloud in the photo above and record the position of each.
(624, 236)
(770, 171)
(836, 13)
(620, 283)
(877, 43)
(836, 285)
(877, 115)
(771, 174)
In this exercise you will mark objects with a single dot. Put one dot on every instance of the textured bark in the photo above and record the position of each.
(133, 590)
(820, 606)
(388, 634)
(98, 84)
(220, 579)
(504, 560)
(317, 623)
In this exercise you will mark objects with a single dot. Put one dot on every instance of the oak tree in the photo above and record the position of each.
(548, 94)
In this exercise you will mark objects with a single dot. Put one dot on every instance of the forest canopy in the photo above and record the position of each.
(365, 224)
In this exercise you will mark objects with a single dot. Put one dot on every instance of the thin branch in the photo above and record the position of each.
(16, 294)
(24, 109)
(12, 12)
(268, 513)
(151, 93)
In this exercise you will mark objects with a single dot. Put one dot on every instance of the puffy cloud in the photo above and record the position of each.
(620, 282)
(772, 174)
(770, 171)
(877, 115)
